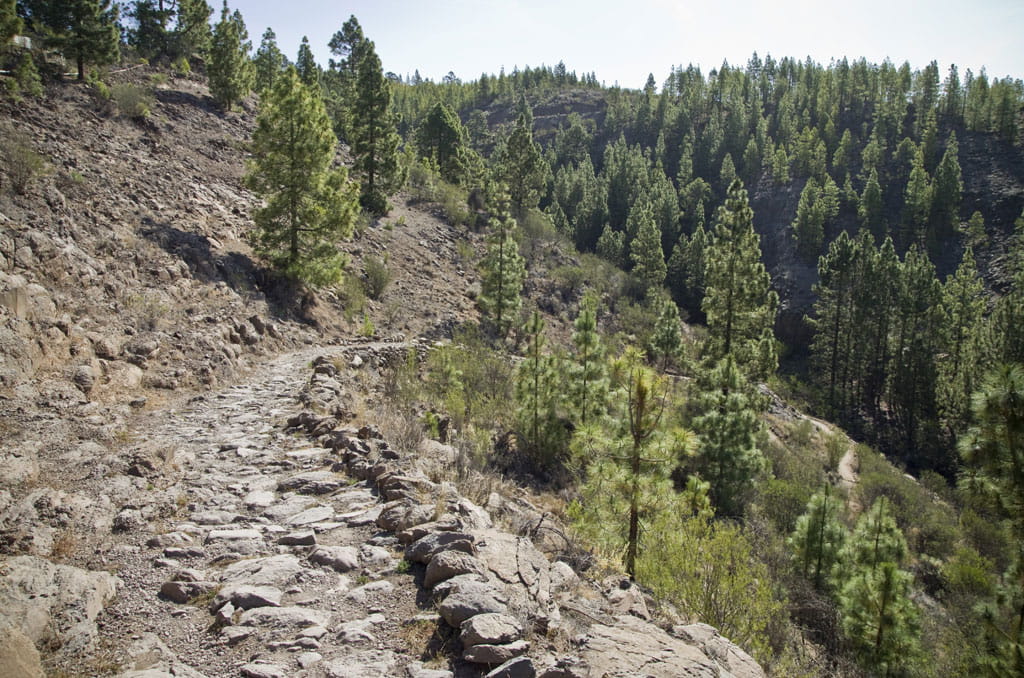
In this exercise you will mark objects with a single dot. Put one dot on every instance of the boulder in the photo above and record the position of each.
(496, 654)
(448, 564)
(490, 629)
(425, 548)
(339, 558)
(312, 482)
(464, 603)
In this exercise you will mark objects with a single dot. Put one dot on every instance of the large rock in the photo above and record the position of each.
(448, 564)
(339, 558)
(729, 655)
(18, 656)
(496, 654)
(312, 482)
(422, 550)
(490, 629)
(464, 603)
(370, 664)
(149, 657)
(270, 571)
(632, 647)
(285, 617)
(246, 597)
(54, 604)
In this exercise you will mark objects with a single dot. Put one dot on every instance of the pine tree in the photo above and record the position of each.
(10, 23)
(150, 35)
(963, 304)
(502, 272)
(538, 399)
(520, 165)
(808, 226)
(876, 539)
(917, 202)
(818, 538)
(192, 33)
(667, 341)
(587, 390)
(739, 303)
(231, 72)
(631, 458)
(834, 317)
(946, 192)
(872, 209)
(993, 452)
(442, 139)
(727, 427)
(269, 62)
(375, 138)
(309, 205)
(306, 66)
(880, 619)
(645, 248)
(350, 45)
(85, 30)
(976, 237)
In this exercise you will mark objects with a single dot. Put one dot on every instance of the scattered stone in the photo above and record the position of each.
(369, 664)
(317, 514)
(242, 534)
(285, 617)
(307, 659)
(416, 670)
(182, 592)
(259, 499)
(301, 538)
(521, 667)
(460, 605)
(236, 634)
(490, 629)
(263, 671)
(361, 594)
(422, 550)
(448, 564)
(312, 482)
(246, 597)
(496, 654)
(339, 558)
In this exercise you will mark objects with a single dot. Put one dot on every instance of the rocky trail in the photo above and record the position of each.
(278, 540)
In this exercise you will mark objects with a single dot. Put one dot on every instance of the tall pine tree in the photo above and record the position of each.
(739, 303)
(309, 204)
(375, 138)
(230, 71)
(502, 272)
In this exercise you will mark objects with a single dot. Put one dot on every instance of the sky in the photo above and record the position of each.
(623, 42)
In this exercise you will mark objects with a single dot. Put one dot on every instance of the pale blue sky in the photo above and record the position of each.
(624, 41)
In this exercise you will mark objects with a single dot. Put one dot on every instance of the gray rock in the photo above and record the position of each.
(520, 667)
(169, 539)
(255, 670)
(54, 604)
(630, 646)
(269, 571)
(422, 550)
(215, 517)
(490, 629)
(307, 659)
(182, 592)
(340, 558)
(285, 617)
(375, 557)
(259, 499)
(411, 534)
(361, 594)
(236, 634)
(496, 654)
(369, 664)
(84, 378)
(563, 577)
(312, 482)
(18, 656)
(727, 654)
(301, 538)
(460, 605)
(246, 597)
(317, 514)
(149, 657)
(416, 670)
(241, 534)
(448, 564)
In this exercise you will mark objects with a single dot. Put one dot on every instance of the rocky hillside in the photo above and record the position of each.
(195, 479)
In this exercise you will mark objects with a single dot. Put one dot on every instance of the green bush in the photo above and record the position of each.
(180, 67)
(377, 276)
(21, 164)
(27, 77)
(131, 100)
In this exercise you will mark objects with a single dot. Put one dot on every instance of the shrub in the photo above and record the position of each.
(27, 77)
(180, 67)
(377, 276)
(131, 101)
(21, 164)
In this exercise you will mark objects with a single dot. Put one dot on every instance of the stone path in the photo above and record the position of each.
(281, 548)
